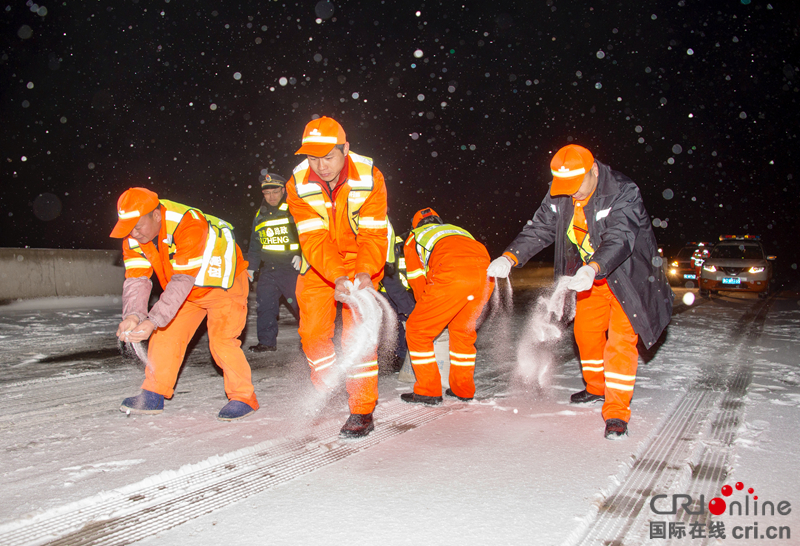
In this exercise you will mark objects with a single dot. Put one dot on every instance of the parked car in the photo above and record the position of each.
(737, 262)
(684, 268)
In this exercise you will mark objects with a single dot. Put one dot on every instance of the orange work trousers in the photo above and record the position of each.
(454, 300)
(607, 344)
(226, 311)
(317, 317)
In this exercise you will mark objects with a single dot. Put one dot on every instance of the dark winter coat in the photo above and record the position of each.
(624, 243)
(281, 232)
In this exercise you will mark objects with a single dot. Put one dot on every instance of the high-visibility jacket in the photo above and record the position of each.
(189, 243)
(427, 245)
(348, 221)
(273, 237)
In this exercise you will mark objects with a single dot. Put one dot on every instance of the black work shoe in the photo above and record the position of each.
(616, 429)
(357, 425)
(261, 348)
(414, 398)
(449, 392)
(585, 397)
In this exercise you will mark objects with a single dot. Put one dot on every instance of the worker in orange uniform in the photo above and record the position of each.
(603, 237)
(201, 269)
(446, 268)
(338, 201)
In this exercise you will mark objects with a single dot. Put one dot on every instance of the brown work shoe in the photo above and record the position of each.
(357, 425)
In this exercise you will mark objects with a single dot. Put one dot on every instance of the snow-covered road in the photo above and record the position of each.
(716, 402)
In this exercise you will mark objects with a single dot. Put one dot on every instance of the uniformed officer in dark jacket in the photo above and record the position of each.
(394, 287)
(275, 252)
(603, 236)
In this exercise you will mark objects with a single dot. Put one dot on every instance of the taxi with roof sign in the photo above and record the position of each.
(737, 263)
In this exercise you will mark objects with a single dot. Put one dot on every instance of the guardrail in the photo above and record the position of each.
(43, 272)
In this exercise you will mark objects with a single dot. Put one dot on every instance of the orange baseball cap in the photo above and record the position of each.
(424, 213)
(320, 136)
(132, 205)
(569, 166)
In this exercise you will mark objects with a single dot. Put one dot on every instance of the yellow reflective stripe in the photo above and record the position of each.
(192, 264)
(319, 361)
(372, 373)
(273, 247)
(462, 355)
(230, 256)
(294, 246)
(128, 215)
(462, 364)
(619, 386)
(414, 273)
(279, 222)
(423, 360)
(324, 366)
(591, 361)
(371, 223)
(319, 139)
(312, 224)
(620, 376)
(366, 181)
(564, 172)
(429, 353)
(304, 190)
(173, 216)
(283, 206)
(135, 263)
(593, 369)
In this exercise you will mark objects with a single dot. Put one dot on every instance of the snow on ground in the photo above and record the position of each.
(518, 465)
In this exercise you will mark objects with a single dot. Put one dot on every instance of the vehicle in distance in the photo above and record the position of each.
(684, 268)
(737, 262)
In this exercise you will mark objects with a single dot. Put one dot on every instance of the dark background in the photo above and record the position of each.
(695, 100)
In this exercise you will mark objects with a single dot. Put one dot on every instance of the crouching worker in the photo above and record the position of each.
(446, 270)
(201, 269)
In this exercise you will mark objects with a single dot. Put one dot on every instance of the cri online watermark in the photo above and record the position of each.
(718, 506)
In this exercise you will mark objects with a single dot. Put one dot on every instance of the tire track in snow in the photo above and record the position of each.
(133, 513)
(681, 455)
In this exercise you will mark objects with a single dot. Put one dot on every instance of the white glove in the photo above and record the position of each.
(499, 268)
(296, 261)
(583, 279)
(250, 274)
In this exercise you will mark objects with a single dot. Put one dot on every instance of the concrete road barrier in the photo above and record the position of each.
(41, 272)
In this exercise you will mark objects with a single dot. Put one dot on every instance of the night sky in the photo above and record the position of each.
(461, 105)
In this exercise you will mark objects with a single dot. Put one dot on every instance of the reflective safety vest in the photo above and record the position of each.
(275, 234)
(311, 193)
(218, 263)
(581, 240)
(395, 256)
(427, 236)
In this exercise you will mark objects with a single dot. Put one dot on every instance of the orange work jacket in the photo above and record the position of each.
(345, 225)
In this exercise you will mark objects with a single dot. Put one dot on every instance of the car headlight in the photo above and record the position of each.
(709, 268)
(674, 264)
(756, 269)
